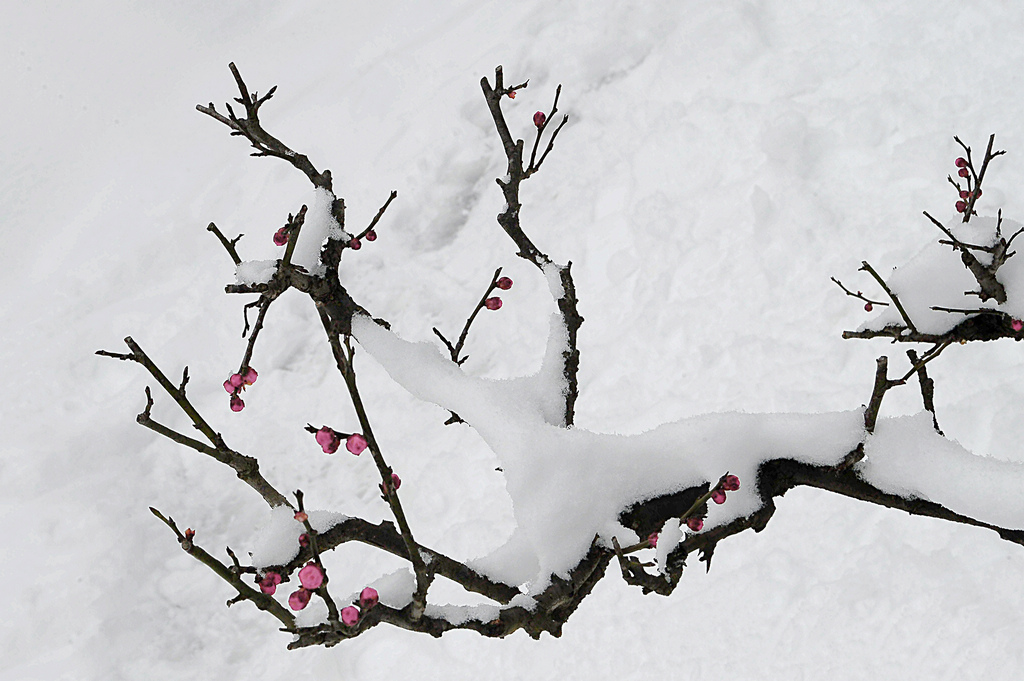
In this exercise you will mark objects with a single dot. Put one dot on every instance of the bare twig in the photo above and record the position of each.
(377, 217)
(892, 296)
(229, 246)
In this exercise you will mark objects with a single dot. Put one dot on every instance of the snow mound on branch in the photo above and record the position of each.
(568, 486)
(937, 277)
(318, 225)
(278, 540)
(255, 271)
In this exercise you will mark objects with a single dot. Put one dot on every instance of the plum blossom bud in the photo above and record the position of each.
(964, 194)
(868, 307)
(354, 244)
(718, 496)
(303, 540)
(652, 540)
(371, 235)
(235, 380)
(230, 388)
(301, 516)
(250, 376)
(280, 237)
(236, 403)
(493, 303)
(731, 483)
(504, 283)
(328, 440)
(299, 599)
(695, 524)
(964, 172)
(355, 443)
(961, 206)
(349, 616)
(1016, 325)
(268, 584)
(396, 481)
(368, 598)
(961, 162)
(311, 576)
(512, 94)
(539, 118)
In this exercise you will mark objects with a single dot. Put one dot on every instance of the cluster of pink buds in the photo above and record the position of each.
(494, 302)
(268, 584)
(396, 482)
(539, 118)
(961, 163)
(367, 599)
(961, 206)
(355, 244)
(236, 383)
(311, 576)
(1017, 325)
(330, 439)
(729, 483)
(281, 236)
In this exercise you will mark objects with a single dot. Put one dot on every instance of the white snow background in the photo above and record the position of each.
(722, 160)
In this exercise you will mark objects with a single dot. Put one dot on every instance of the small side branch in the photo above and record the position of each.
(229, 246)
(892, 296)
(927, 388)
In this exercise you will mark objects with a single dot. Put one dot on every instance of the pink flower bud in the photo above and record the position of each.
(1016, 325)
(230, 388)
(977, 192)
(301, 516)
(718, 496)
(349, 616)
(961, 206)
(731, 483)
(368, 598)
(328, 440)
(303, 540)
(311, 576)
(652, 540)
(268, 584)
(280, 237)
(299, 599)
(396, 481)
(235, 380)
(512, 94)
(236, 403)
(964, 172)
(371, 235)
(250, 376)
(964, 194)
(355, 443)
(504, 283)
(695, 524)
(868, 307)
(539, 118)
(493, 303)
(961, 162)
(354, 244)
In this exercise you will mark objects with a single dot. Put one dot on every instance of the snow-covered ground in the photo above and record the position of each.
(722, 160)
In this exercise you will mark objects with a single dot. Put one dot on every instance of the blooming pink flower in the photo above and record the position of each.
(311, 576)
(303, 540)
(349, 616)
(301, 516)
(268, 584)
(280, 237)
(355, 443)
(371, 235)
(493, 303)
(1016, 325)
(731, 483)
(961, 162)
(236, 403)
(354, 244)
(718, 496)
(299, 599)
(368, 598)
(695, 524)
(328, 439)
(504, 283)
(652, 540)
(964, 172)
(539, 118)
(250, 376)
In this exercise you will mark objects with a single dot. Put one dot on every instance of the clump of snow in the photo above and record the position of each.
(317, 227)
(255, 271)
(937, 277)
(906, 457)
(394, 589)
(277, 542)
(457, 614)
(668, 539)
(569, 486)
